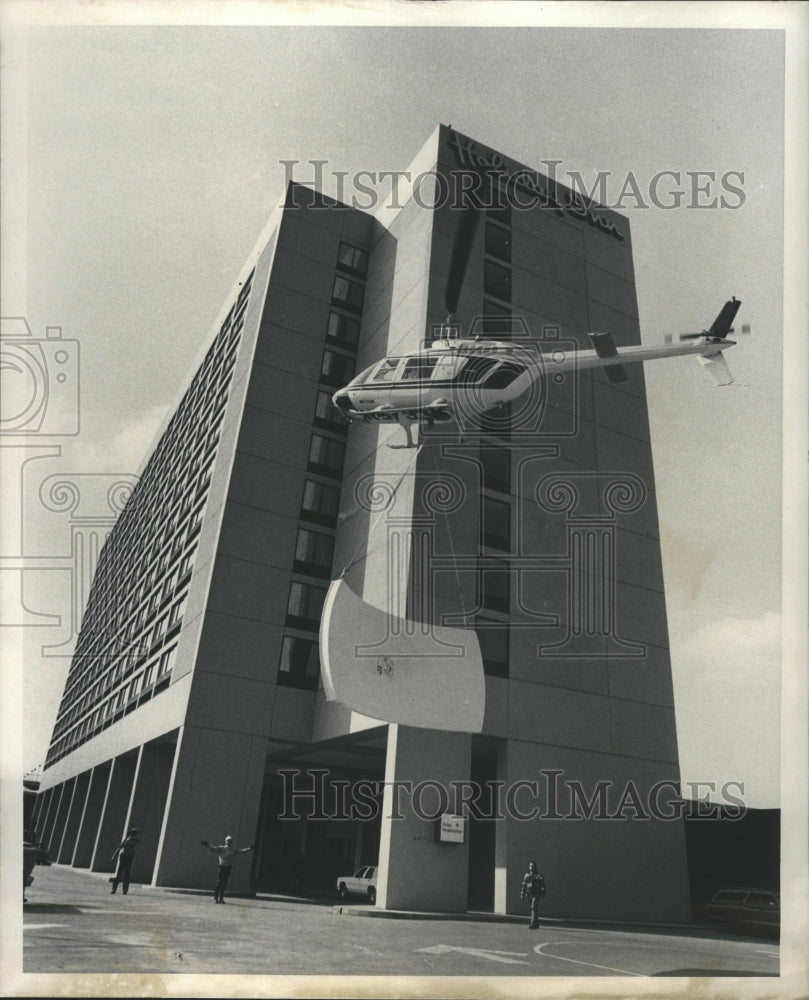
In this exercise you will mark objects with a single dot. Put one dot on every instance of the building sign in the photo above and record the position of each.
(451, 829)
(527, 189)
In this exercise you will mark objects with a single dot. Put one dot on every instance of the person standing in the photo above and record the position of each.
(125, 855)
(533, 886)
(226, 853)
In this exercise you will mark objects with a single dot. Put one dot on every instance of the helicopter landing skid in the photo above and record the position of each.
(409, 443)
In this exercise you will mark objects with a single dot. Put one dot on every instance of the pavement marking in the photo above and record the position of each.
(593, 965)
(40, 927)
(490, 953)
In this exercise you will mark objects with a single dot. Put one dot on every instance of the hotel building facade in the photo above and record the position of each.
(194, 705)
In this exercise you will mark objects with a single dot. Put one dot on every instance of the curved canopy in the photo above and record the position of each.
(396, 670)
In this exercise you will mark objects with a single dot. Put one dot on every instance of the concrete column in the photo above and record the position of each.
(37, 813)
(48, 831)
(43, 813)
(215, 790)
(73, 820)
(416, 871)
(94, 804)
(58, 835)
(116, 808)
(501, 840)
(148, 803)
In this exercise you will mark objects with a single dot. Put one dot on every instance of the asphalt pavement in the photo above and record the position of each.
(72, 924)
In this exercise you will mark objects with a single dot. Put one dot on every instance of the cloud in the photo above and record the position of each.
(727, 689)
(133, 443)
(731, 643)
(115, 451)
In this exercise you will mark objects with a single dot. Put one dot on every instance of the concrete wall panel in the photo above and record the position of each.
(112, 829)
(91, 818)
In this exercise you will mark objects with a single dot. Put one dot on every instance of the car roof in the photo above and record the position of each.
(745, 888)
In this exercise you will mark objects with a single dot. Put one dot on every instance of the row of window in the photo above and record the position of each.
(495, 514)
(149, 682)
(140, 584)
(299, 664)
(130, 622)
(110, 670)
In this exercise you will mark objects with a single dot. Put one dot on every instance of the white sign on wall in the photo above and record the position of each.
(451, 829)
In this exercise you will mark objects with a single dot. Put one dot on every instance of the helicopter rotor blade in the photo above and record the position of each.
(674, 338)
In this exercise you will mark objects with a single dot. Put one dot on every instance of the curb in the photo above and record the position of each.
(691, 930)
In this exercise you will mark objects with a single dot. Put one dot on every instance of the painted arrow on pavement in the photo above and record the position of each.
(493, 956)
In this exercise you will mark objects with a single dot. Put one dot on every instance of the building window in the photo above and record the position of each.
(495, 586)
(495, 523)
(327, 414)
(176, 614)
(166, 663)
(352, 259)
(498, 321)
(321, 502)
(348, 294)
(305, 605)
(343, 329)
(497, 280)
(313, 552)
(494, 647)
(300, 663)
(498, 242)
(336, 369)
(326, 455)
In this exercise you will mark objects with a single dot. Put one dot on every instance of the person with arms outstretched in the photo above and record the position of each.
(226, 853)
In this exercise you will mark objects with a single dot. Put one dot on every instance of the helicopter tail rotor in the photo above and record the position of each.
(720, 329)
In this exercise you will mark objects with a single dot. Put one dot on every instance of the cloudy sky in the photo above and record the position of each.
(146, 160)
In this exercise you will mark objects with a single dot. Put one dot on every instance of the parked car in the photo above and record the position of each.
(361, 883)
(755, 910)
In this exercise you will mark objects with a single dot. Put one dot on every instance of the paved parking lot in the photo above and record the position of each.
(73, 925)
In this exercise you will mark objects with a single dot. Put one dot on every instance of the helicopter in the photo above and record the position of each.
(453, 378)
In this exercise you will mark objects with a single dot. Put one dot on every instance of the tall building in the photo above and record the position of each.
(194, 705)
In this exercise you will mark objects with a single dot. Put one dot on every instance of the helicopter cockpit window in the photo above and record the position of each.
(503, 376)
(363, 376)
(386, 370)
(420, 368)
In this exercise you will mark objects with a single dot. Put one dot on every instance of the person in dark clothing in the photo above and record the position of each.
(533, 886)
(125, 855)
(226, 854)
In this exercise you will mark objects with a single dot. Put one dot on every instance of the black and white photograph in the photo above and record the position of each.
(404, 493)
